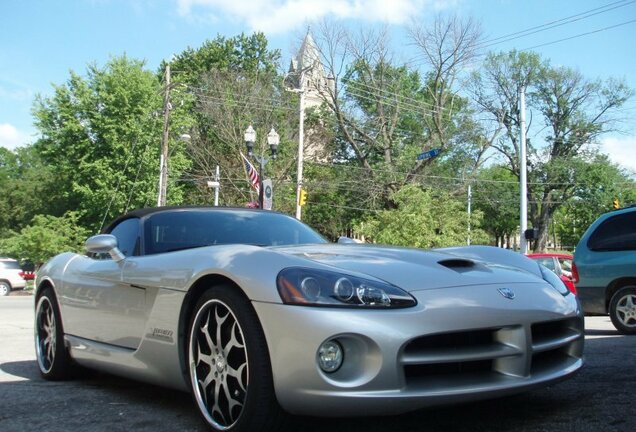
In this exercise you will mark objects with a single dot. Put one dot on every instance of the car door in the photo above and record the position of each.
(97, 304)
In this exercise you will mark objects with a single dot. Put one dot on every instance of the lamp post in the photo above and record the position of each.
(273, 139)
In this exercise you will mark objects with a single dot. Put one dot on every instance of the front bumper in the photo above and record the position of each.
(457, 344)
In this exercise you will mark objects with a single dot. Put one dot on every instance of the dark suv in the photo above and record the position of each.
(605, 268)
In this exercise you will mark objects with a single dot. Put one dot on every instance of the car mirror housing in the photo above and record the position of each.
(104, 243)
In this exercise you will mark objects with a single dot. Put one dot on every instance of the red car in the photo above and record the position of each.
(27, 275)
(560, 264)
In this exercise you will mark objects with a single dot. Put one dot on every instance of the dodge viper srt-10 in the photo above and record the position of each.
(260, 317)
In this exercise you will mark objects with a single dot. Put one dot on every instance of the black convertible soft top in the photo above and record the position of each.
(143, 212)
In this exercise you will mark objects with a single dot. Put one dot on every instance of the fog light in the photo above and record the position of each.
(330, 356)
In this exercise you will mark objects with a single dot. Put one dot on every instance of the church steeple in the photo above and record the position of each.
(315, 79)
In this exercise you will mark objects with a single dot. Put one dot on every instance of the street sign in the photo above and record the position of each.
(268, 194)
(429, 154)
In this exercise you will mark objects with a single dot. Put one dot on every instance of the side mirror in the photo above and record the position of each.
(104, 243)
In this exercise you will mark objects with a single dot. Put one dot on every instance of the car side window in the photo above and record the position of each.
(615, 234)
(548, 262)
(127, 234)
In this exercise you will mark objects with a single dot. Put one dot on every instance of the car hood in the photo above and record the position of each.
(416, 269)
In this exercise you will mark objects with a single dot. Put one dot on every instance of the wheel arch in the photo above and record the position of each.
(195, 292)
(614, 286)
(7, 282)
(42, 285)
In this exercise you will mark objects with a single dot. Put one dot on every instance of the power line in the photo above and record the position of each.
(548, 26)
(580, 35)
(557, 23)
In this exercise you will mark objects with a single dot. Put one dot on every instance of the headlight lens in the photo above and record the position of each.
(311, 287)
(550, 277)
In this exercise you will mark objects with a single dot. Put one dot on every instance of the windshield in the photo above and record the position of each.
(190, 228)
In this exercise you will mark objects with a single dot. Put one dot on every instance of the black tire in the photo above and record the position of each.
(54, 362)
(622, 310)
(5, 288)
(229, 366)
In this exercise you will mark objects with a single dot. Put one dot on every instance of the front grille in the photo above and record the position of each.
(451, 341)
(554, 342)
(479, 357)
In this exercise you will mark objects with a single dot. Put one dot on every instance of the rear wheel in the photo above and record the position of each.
(5, 288)
(229, 365)
(53, 359)
(622, 310)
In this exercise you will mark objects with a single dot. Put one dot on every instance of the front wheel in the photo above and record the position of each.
(53, 359)
(622, 310)
(5, 288)
(230, 371)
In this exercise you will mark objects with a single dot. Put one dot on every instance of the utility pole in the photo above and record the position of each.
(217, 177)
(163, 163)
(470, 200)
(523, 221)
(301, 144)
(301, 135)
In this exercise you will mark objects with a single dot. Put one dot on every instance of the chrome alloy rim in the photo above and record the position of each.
(626, 310)
(45, 334)
(218, 364)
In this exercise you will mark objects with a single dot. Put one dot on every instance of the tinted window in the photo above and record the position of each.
(615, 234)
(183, 229)
(12, 265)
(127, 233)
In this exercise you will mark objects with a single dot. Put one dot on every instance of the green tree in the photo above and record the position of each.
(575, 113)
(496, 195)
(26, 185)
(423, 219)
(599, 183)
(46, 237)
(384, 114)
(101, 134)
(234, 82)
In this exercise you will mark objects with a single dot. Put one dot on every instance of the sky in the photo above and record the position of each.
(42, 40)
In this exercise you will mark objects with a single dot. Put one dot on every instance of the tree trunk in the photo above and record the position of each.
(544, 227)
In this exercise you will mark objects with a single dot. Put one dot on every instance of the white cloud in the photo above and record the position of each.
(621, 151)
(11, 137)
(279, 16)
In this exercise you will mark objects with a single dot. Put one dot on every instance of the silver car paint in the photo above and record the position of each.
(109, 333)
(374, 341)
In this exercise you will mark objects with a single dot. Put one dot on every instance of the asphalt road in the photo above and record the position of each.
(600, 398)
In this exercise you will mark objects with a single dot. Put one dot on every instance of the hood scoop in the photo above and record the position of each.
(457, 264)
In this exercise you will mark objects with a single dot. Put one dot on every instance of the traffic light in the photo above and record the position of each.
(617, 203)
(303, 197)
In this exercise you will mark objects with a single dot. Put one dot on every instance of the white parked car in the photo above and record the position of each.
(10, 276)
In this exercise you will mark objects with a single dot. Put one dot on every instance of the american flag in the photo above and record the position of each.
(252, 174)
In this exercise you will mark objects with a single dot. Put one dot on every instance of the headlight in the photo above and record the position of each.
(550, 277)
(310, 287)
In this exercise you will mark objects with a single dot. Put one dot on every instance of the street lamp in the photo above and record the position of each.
(273, 139)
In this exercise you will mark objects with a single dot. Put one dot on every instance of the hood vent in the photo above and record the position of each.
(457, 263)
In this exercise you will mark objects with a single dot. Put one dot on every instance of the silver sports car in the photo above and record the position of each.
(258, 316)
